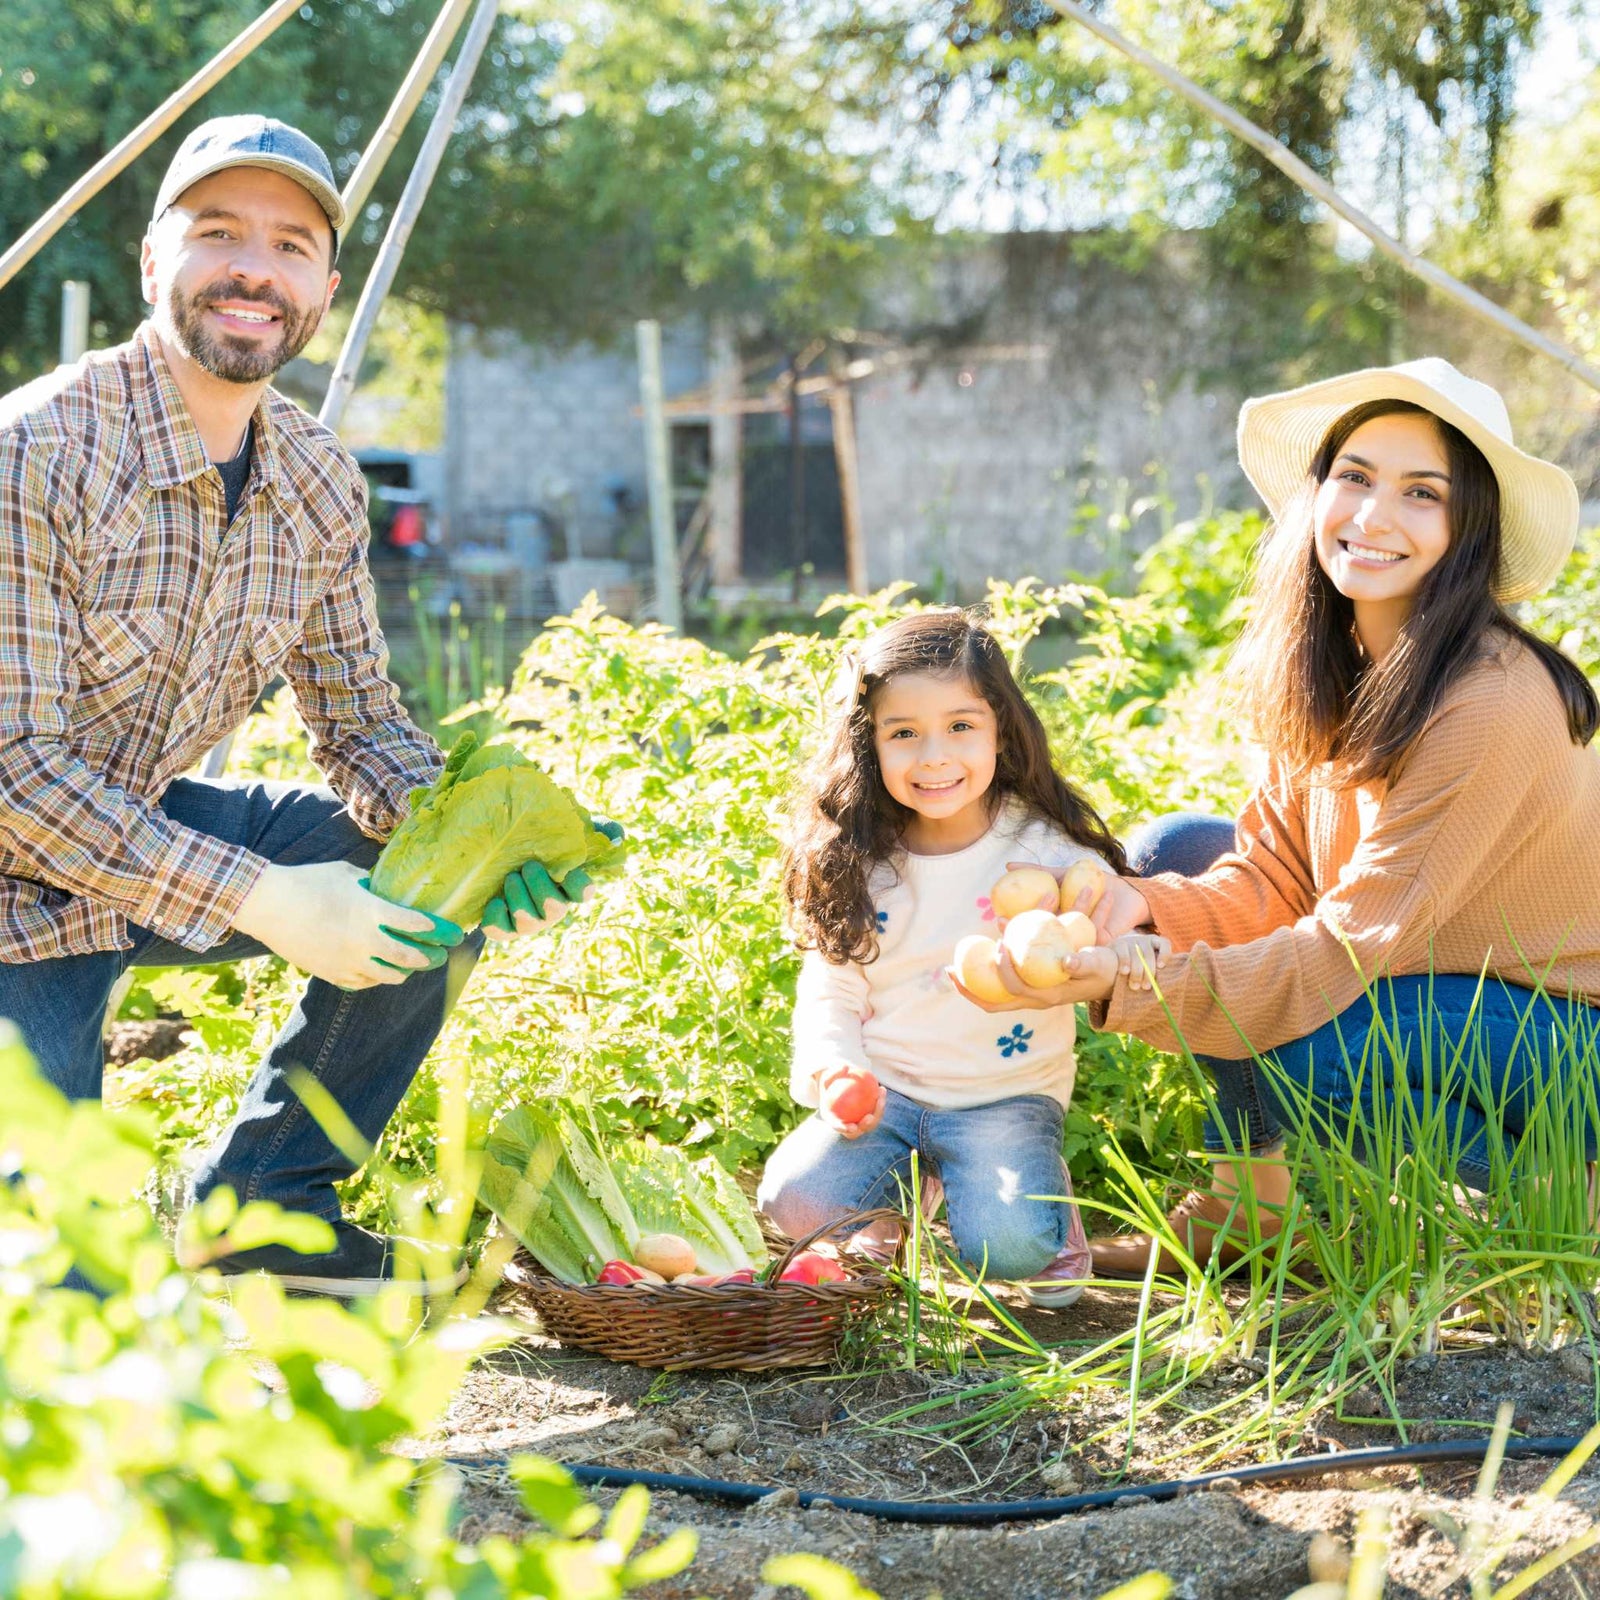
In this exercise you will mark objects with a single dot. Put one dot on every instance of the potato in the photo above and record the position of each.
(665, 1253)
(1041, 945)
(977, 964)
(1025, 889)
(1079, 876)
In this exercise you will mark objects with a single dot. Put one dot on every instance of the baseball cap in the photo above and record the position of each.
(253, 141)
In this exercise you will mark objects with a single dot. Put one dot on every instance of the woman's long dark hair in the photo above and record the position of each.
(1311, 693)
(844, 821)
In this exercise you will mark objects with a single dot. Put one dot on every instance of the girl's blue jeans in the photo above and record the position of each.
(363, 1047)
(1004, 1180)
(1508, 1041)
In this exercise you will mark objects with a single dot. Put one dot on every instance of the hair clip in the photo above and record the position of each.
(849, 681)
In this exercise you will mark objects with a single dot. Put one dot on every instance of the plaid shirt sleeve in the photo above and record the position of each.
(361, 738)
(76, 830)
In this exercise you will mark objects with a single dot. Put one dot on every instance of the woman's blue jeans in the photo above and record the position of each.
(363, 1047)
(1507, 1039)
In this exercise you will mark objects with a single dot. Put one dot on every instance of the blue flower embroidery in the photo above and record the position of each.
(1015, 1043)
(883, 921)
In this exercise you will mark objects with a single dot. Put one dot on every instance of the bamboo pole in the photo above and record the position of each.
(342, 385)
(1292, 166)
(434, 49)
(142, 137)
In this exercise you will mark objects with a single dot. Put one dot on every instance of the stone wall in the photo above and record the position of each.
(552, 430)
(1034, 395)
(1032, 405)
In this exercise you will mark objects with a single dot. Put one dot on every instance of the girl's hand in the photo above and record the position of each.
(1094, 975)
(1140, 956)
(854, 1130)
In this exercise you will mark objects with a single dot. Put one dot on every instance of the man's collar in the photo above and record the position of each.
(168, 438)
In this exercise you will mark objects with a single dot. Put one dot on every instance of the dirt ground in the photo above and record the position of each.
(831, 1433)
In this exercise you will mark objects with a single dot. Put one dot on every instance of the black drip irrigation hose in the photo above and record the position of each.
(981, 1514)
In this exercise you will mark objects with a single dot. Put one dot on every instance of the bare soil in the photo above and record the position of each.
(832, 1432)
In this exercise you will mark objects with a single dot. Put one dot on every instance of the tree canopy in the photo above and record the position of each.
(618, 159)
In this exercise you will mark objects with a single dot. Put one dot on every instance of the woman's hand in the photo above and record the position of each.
(1094, 975)
(1122, 909)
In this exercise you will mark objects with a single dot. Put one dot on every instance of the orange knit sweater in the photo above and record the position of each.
(1484, 854)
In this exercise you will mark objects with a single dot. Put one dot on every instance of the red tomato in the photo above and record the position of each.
(620, 1273)
(849, 1093)
(811, 1266)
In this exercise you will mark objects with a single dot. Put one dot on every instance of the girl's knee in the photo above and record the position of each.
(1015, 1247)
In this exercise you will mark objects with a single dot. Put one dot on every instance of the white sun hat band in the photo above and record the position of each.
(1279, 435)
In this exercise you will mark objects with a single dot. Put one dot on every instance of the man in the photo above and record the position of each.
(173, 534)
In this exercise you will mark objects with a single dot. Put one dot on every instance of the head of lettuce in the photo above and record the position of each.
(481, 844)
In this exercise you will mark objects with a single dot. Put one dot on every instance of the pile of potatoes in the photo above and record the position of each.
(1040, 938)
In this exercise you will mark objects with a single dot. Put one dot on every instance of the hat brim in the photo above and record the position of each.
(1279, 435)
(323, 193)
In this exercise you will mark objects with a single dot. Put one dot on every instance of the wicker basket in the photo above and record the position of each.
(743, 1326)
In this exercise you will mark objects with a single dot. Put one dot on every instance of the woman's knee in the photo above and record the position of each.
(1184, 842)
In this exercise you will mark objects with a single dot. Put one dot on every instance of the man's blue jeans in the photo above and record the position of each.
(363, 1047)
(1514, 1039)
(1005, 1183)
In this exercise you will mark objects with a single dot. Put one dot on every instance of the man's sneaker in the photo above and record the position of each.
(1060, 1284)
(359, 1266)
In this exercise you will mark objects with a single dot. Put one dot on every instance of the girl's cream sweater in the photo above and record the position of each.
(900, 1016)
(1482, 855)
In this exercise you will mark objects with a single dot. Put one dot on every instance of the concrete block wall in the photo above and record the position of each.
(1030, 386)
(547, 429)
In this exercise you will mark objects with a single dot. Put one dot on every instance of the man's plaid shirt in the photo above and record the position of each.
(136, 631)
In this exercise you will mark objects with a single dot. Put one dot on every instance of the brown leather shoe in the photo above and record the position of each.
(1197, 1220)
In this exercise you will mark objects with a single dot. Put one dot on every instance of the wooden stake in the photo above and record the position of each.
(1287, 162)
(725, 493)
(373, 292)
(842, 403)
(663, 522)
(142, 137)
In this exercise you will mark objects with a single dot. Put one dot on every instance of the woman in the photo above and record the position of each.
(1431, 803)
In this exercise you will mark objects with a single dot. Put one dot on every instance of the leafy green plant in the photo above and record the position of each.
(164, 1440)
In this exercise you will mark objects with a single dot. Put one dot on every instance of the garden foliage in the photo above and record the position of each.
(163, 1443)
(664, 1006)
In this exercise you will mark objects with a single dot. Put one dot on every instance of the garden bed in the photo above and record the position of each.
(830, 1431)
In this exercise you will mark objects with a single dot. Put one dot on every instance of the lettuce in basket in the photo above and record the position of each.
(490, 811)
(545, 1179)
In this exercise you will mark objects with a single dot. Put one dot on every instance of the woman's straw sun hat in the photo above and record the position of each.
(1279, 435)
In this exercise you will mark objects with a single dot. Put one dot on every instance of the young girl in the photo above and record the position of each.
(1431, 804)
(936, 775)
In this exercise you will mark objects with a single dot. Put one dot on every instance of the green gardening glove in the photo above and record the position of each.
(532, 899)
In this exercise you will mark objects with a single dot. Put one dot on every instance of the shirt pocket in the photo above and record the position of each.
(270, 644)
(113, 668)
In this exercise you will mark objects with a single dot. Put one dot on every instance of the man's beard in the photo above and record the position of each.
(232, 359)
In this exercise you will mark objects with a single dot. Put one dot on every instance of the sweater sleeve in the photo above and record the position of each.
(1264, 883)
(830, 1005)
(1455, 811)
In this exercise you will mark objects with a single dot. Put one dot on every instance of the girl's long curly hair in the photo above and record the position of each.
(844, 822)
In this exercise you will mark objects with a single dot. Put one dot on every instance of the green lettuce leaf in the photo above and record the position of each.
(489, 812)
(544, 1179)
(700, 1201)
